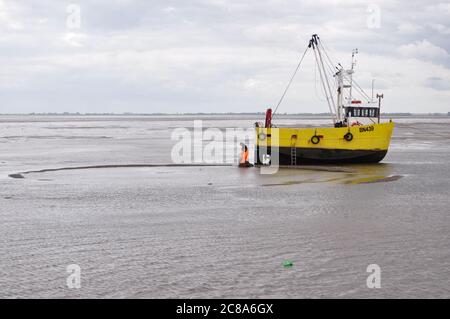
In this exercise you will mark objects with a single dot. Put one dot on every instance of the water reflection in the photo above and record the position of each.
(351, 174)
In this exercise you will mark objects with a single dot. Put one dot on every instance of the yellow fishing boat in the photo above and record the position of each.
(347, 141)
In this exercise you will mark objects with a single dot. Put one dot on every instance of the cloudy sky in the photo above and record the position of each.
(216, 55)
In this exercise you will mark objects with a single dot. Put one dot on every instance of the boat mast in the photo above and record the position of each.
(343, 107)
(314, 44)
(340, 93)
(351, 71)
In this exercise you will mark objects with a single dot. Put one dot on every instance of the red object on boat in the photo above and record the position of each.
(356, 102)
(268, 118)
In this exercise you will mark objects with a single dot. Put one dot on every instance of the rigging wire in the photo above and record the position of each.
(364, 92)
(358, 87)
(315, 82)
(331, 75)
(326, 54)
(329, 71)
(331, 105)
(290, 82)
(331, 67)
(325, 78)
(361, 91)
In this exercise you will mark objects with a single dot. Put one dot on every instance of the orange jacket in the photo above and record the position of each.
(244, 157)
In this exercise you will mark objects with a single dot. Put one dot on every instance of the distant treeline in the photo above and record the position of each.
(225, 113)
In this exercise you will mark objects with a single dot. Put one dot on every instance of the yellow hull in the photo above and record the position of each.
(296, 146)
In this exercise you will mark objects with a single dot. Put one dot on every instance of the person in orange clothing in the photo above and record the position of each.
(244, 155)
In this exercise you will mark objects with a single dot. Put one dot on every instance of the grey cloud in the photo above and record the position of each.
(438, 83)
(175, 56)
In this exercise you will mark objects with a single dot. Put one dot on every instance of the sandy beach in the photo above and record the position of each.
(102, 192)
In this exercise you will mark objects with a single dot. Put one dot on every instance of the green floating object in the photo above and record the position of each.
(287, 264)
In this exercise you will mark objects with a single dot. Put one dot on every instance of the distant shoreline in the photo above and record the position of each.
(192, 114)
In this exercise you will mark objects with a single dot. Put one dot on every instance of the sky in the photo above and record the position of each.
(154, 56)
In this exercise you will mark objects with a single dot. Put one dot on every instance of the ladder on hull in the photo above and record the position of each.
(293, 150)
(293, 156)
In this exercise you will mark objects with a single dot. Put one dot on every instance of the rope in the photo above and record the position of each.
(329, 63)
(315, 83)
(362, 91)
(357, 86)
(326, 54)
(290, 82)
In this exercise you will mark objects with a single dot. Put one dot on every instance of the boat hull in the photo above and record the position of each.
(315, 156)
(296, 146)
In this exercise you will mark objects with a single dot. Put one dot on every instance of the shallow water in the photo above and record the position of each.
(169, 232)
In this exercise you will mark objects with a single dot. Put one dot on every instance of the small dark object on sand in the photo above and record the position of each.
(16, 176)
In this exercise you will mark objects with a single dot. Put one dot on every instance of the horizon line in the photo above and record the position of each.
(204, 113)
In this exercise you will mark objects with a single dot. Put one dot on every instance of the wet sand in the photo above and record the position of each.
(100, 198)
